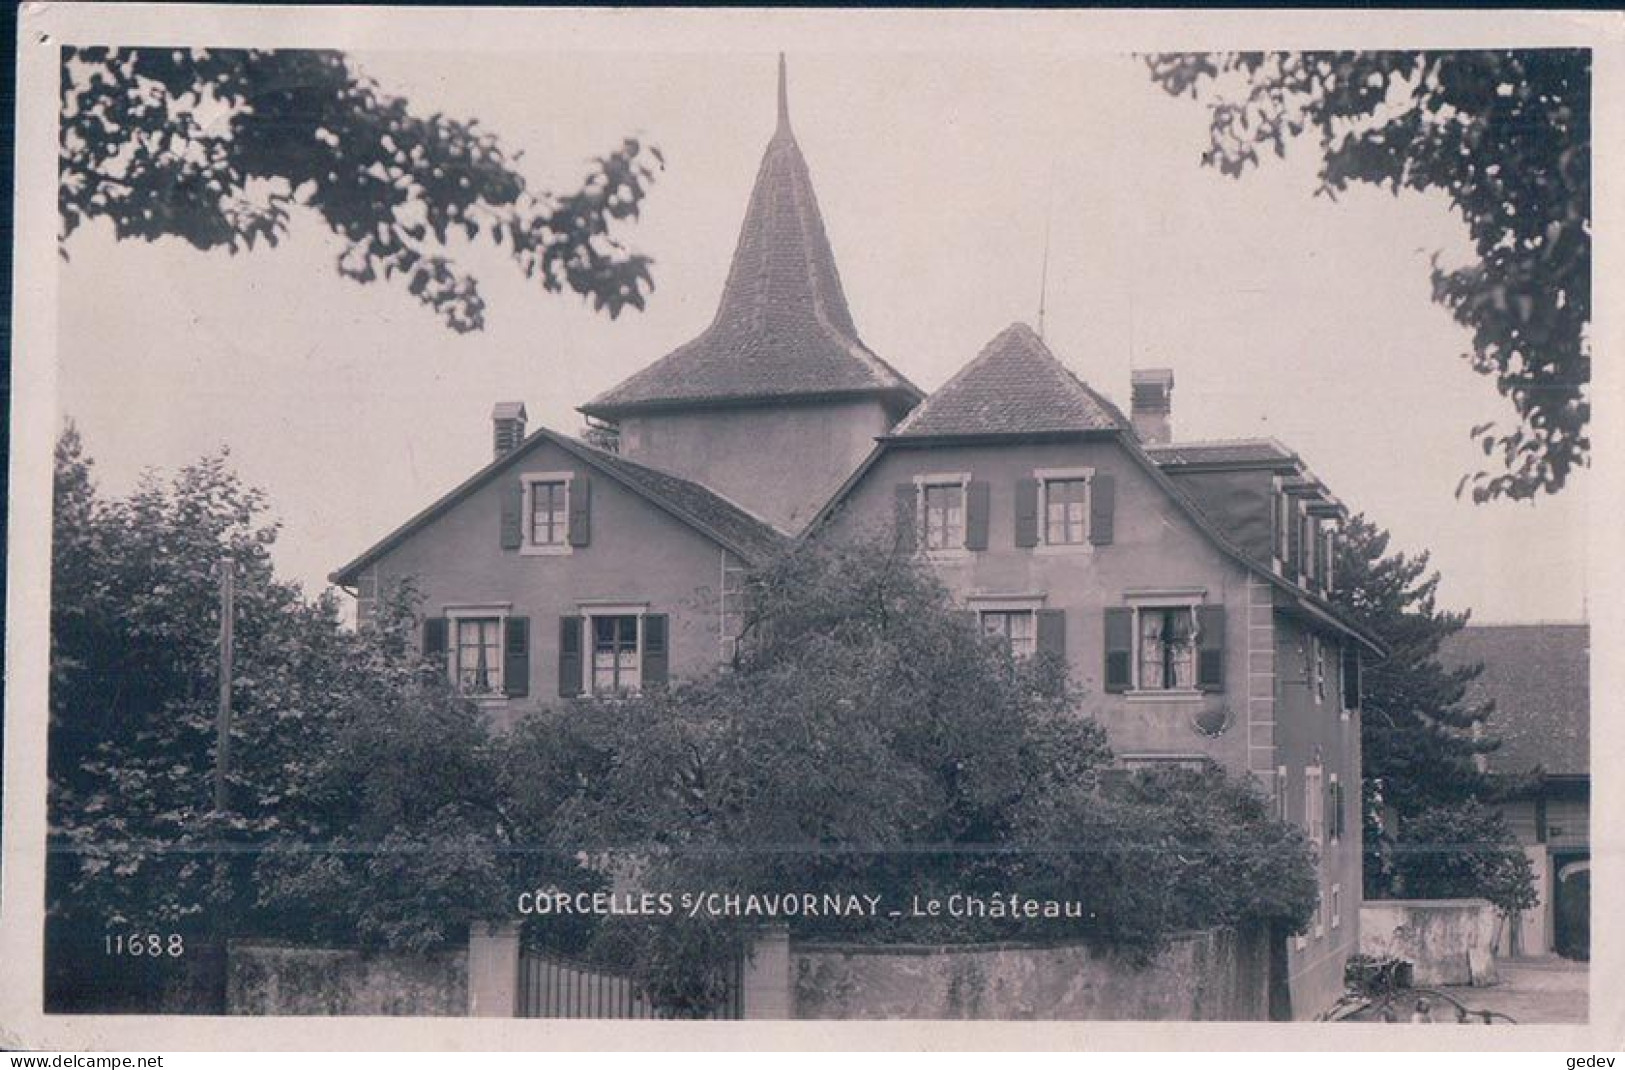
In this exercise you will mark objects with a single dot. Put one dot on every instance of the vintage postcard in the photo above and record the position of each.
(910, 528)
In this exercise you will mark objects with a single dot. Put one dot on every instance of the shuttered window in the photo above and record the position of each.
(617, 666)
(477, 655)
(1066, 512)
(549, 513)
(1017, 628)
(944, 516)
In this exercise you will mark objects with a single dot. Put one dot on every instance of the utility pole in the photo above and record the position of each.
(222, 748)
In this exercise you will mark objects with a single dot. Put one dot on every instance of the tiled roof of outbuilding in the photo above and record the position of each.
(782, 328)
(1538, 676)
(1014, 386)
(700, 508)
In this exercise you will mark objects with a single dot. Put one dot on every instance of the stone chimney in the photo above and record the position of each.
(507, 426)
(1152, 413)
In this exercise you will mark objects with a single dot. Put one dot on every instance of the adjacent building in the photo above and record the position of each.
(1537, 678)
(1186, 584)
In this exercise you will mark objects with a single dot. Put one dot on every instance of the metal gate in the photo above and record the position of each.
(552, 986)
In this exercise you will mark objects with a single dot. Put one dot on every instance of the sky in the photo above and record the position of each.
(940, 176)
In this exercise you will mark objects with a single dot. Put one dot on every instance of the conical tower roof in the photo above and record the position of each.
(782, 329)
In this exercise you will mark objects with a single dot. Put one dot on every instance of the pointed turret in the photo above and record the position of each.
(782, 329)
(778, 400)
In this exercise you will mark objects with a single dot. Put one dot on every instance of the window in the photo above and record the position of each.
(944, 516)
(616, 657)
(1066, 512)
(477, 654)
(1279, 801)
(1167, 637)
(1018, 628)
(549, 513)
(1165, 643)
(1334, 816)
(552, 513)
(1328, 572)
(1317, 653)
(1314, 820)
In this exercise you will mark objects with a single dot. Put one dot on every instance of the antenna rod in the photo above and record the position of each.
(1043, 275)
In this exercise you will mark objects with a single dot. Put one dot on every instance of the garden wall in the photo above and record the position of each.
(264, 978)
(1219, 975)
(1448, 941)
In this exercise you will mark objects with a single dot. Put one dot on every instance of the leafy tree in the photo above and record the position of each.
(870, 739)
(1462, 851)
(358, 808)
(1506, 136)
(219, 146)
(1421, 736)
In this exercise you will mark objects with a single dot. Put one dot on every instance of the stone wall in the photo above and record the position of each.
(1220, 975)
(282, 979)
(1448, 941)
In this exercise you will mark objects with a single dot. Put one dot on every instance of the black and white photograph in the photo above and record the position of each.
(784, 517)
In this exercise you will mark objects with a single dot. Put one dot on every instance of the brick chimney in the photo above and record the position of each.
(507, 426)
(1152, 413)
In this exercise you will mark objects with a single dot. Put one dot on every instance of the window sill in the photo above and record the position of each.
(950, 554)
(546, 550)
(1063, 549)
(1165, 696)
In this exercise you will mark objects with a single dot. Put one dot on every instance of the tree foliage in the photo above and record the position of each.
(1506, 136)
(1462, 851)
(219, 146)
(1421, 735)
(870, 740)
(359, 807)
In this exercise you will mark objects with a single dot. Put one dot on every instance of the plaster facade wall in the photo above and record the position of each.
(1154, 547)
(1209, 976)
(781, 462)
(266, 979)
(1447, 941)
(637, 554)
(1316, 731)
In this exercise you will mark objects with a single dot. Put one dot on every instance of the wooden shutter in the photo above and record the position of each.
(1102, 504)
(1351, 676)
(1294, 537)
(1210, 648)
(1027, 512)
(434, 641)
(656, 657)
(1275, 526)
(513, 514)
(906, 513)
(1119, 648)
(516, 657)
(580, 510)
(570, 658)
(977, 500)
(1052, 631)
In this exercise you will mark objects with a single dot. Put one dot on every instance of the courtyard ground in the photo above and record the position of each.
(1533, 990)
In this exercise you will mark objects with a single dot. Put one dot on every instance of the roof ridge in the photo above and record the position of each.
(1050, 398)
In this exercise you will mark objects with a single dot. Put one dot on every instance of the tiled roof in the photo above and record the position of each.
(1538, 677)
(782, 328)
(704, 510)
(1233, 451)
(1014, 386)
(755, 539)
